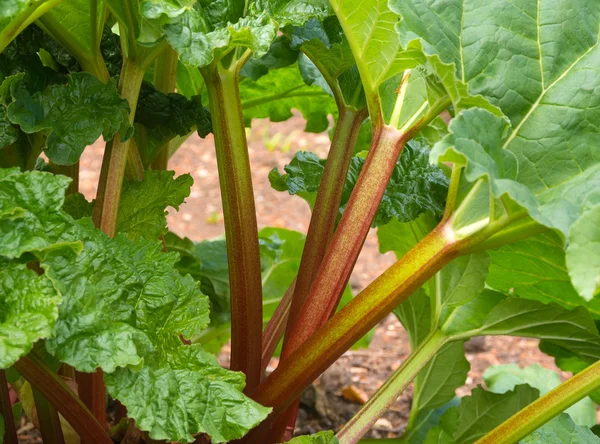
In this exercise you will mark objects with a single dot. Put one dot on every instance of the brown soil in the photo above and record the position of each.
(201, 217)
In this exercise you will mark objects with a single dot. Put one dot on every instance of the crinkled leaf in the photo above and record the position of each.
(414, 188)
(30, 215)
(276, 94)
(140, 303)
(279, 55)
(28, 310)
(199, 41)
(326, 437)
(189, 394)
(74, 115)
(561, 430)
(582, 256)
(77, 206)
(168, 115)
(502, 378)
(535, 269)
(492, 313)
(294, 12)
(142, 208)
(478, 414)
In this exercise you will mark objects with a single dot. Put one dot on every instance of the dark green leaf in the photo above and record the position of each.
(279, 55)
(77, 206)
(415, 187)
(74, 115)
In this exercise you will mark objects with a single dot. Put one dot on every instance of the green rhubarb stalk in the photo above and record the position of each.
(321, 226)
(335, 269)
(10, 431)
(117, 152)
(379, 403)
(545, 408)
(117, 157)
(240, 219)
(165, 76)
(352, 322)
(56, 391)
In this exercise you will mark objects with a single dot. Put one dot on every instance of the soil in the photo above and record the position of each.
(360, 372)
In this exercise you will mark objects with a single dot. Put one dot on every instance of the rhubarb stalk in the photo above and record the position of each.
(241, 230)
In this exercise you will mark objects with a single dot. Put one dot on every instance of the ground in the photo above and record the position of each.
(363, 371)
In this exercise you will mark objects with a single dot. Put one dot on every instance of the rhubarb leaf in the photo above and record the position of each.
(189, 393)
(583, 260)
(294, 12)
(331, 59)
(479, 413)
(462, 279)
(326, 437)
(503, 378)
(370, 28)
(561, 430)
(439, 379)
(74, 115)
(77, 206)
(400, 237)
(279, 55)
(492, 313)
(29, 307)
(415, 316)
(276, 94)
(142, 212)
(30, 215)
(415, 187)
(199, 40)
(535, 269)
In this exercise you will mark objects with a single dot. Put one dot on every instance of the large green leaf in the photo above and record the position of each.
(462, 279)
(199, 40)
(400, 237)
(561, 430)
(535, 269)
(276, 94)
(502, 378)
(530, 59)
(28, 310)
(478, 414)
(74, 115)
(477, 141)
(439, 379)
(294, 12)
(415, 187)
(30, 216)
(415, 316)
(583, 260)
(142, 207)
(492, 313)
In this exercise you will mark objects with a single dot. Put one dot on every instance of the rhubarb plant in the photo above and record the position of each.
(464, 133)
